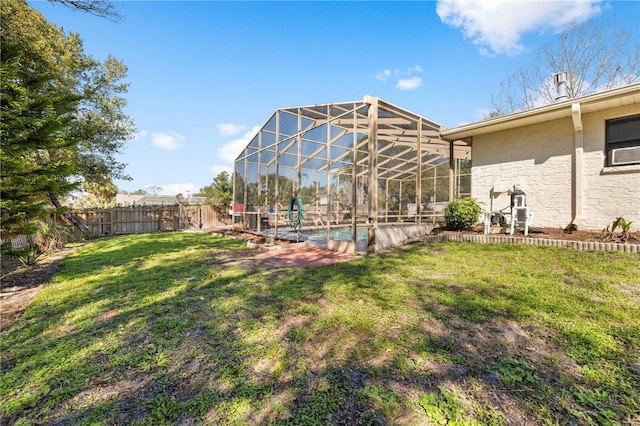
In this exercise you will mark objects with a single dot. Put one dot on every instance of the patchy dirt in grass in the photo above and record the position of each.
(19, 284)
(630, 290)
(477, 379)
(244, 260)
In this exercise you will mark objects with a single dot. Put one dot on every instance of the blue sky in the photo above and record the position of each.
(204, 75)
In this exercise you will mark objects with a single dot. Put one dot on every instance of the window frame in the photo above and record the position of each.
(627, 142)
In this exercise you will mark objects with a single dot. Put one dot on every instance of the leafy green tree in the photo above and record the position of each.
(220, 192)
(33, 128)
(102, 192)
(100, 127)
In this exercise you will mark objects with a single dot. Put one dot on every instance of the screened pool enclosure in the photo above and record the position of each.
(367, 167)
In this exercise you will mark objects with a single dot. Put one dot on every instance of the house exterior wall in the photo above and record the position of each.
(609, 192)
(538, 158)
(535, 158)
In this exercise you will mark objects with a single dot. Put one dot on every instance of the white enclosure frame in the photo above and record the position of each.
(327, 155)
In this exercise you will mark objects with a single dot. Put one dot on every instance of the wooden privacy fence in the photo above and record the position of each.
(132, 220)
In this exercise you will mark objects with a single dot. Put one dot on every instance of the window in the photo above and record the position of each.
(623, 141)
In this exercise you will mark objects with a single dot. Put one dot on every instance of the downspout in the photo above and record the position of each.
(577, 178)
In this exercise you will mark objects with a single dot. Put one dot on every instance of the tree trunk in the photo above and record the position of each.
(54, 200)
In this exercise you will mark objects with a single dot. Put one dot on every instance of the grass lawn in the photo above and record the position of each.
(186, 328)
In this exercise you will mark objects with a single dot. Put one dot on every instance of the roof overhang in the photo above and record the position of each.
(627, 95)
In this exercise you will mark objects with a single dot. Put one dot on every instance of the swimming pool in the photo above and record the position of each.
(339, 233)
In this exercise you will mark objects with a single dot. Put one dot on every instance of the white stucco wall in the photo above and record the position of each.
(609, 192)
(538, 158)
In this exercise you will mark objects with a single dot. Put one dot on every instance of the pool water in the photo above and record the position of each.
(339, 233)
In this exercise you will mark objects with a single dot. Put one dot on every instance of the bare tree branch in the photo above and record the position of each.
(595, 57)
(101, 8)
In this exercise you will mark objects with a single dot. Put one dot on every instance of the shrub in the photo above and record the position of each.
(51, 237)
(462, 214)
(26, 257)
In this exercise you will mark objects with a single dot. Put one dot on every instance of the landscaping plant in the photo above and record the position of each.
(51, 236)
(462, 214)
(27, 257)
(610, 234)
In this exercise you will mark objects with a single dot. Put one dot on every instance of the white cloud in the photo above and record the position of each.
(230, 151)
(383, 75)
(409, 83)
(168, 141)
(140, 135)
(216, 169)
(179, 188)
(496, 26)
(405, 81)
(228, 129)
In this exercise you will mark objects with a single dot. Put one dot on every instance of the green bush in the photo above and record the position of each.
(27, 257)
(51, 236)
(462, 214)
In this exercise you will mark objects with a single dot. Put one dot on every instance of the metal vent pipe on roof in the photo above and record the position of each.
(561, 86)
